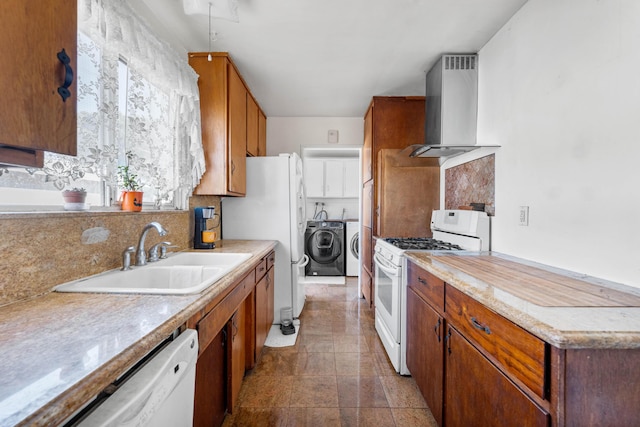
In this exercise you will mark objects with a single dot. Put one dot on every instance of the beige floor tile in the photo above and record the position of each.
(316, 364)
(264, 391)
(402, 392)
(355, 364)
(411, 417)
(275, 362)
(361, 392)
(258, 417)
(367, 417)
(337, 373)
(314, 417)
(314, 392)
(350, 343)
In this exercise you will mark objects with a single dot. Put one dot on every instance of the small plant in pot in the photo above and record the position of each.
(74, 199)
(75, 195)
(131, 195)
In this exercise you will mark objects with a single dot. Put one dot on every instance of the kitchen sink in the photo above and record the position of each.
(179, 274)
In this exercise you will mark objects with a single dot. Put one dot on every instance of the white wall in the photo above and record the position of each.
(288, 134)
(560, 92)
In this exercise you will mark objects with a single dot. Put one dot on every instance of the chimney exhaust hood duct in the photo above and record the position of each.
(451, 108)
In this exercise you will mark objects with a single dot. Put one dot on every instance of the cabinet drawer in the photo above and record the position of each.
(517, 352)
(211, 324)
(261, 269)
(271, 259)
(425, 284)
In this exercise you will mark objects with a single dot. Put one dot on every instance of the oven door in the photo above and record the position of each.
(388, 279)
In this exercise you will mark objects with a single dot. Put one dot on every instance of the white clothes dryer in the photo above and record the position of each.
(352, 247)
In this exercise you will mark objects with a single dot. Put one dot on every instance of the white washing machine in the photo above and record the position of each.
(352, 247)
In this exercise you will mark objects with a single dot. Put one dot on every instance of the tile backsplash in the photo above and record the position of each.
(471, 182)
(42, 249)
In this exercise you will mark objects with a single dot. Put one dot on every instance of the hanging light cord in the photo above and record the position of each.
(209, 56)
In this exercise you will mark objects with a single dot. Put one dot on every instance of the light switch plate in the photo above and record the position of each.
(524, 215)
(333, 136)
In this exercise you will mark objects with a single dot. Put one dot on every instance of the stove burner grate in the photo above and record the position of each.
(422, 243)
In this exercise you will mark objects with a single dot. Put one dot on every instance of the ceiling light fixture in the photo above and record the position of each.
(222, 9)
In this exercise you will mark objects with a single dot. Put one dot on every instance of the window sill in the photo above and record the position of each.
(9, 212)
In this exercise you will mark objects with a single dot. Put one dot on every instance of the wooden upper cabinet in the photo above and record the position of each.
(399, 212)
(390, 122)
(367, 164)
(230, 124)
(237, 140)
(262, 133)
(252, 127)
(33, 115)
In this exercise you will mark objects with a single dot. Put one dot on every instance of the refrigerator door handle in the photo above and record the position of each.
(303, 261)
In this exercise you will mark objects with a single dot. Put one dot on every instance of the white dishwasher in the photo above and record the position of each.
(159, 394)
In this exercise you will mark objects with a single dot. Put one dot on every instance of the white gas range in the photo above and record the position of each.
(452, 230)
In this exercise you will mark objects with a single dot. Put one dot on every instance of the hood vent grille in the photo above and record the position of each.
(460, 62)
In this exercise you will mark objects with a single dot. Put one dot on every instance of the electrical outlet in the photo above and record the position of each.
(524, 215)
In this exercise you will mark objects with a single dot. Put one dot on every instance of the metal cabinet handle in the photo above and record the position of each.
(63, 90)
(447, 340)
(437, 329)
(480, 326)
(421, 280)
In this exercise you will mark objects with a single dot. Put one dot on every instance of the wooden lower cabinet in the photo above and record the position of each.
(479, 394)
(425, 351)
(367, 271)
(210, 406)
(264, 310)
(230, 332)
(236, 355)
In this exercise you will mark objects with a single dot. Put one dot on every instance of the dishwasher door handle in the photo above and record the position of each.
(157, 394)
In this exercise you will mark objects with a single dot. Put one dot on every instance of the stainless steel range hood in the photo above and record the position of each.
(451, 108)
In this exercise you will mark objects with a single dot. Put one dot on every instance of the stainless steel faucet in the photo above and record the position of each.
(141, 255)
(159, 251)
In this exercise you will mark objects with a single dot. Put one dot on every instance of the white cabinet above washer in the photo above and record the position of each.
(331, 178)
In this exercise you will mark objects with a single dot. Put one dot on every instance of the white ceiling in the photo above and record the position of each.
(327, 58)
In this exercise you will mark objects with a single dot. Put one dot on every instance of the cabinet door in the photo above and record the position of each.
(367, 160)
(366, 261)
(425, 358)
(252, 127)
(262, 134)
(366, 286)
(314, 177)
(236, 355)
(262, 308)
(351, 178)
(473, 385)
(237, 143)
(270, 298)
(333, 178)
(210, 402)
(33, 115)
(367, 204)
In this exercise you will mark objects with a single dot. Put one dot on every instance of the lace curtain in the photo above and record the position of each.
(154, 118)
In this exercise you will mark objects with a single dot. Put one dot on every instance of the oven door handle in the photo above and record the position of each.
(384, 265)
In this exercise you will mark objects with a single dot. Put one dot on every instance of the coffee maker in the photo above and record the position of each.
(203, 238)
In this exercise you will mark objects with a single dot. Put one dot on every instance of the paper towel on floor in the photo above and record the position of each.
(277, 339)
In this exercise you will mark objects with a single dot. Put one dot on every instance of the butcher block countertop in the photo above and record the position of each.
(565, 309)
(59, 350)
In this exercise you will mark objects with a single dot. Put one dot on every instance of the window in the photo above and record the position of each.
(137, 103)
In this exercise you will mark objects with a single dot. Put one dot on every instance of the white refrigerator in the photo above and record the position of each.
(274, 209)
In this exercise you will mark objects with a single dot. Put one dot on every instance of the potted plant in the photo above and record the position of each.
(75, 195)
(131, 195)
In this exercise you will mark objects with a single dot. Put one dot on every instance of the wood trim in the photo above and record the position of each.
(16, 156)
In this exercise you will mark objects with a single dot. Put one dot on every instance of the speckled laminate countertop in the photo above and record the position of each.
(600, 320)
(61, 349)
